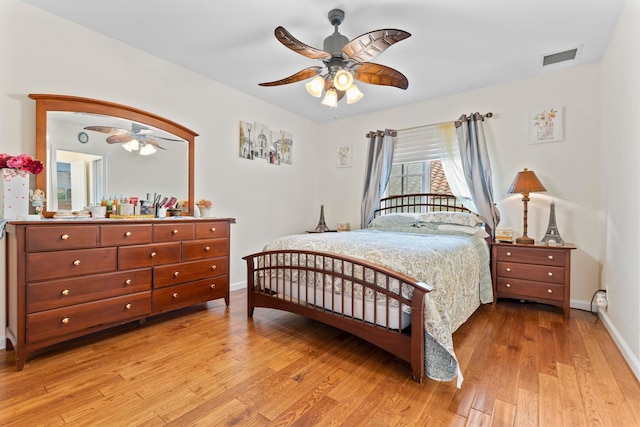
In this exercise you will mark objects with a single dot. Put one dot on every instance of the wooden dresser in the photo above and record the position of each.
(66, 279)
(532, 272)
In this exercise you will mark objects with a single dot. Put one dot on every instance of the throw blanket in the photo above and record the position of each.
(456, 266)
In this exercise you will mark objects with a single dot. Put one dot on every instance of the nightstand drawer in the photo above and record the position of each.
(542, 256)
(538, 273)
(525, 289)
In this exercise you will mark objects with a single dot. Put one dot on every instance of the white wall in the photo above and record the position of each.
(42, 53)
(620, 183)
(568, 169)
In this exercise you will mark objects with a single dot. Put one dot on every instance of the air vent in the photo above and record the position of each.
(554, 58)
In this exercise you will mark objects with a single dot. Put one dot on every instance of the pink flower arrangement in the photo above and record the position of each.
(22, 162)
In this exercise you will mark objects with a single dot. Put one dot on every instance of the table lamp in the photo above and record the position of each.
(526, 182)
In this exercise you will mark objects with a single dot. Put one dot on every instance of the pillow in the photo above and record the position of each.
(463, 229)
(457, 218)
(395, 220)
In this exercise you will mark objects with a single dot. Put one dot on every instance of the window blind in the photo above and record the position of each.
(418, 145)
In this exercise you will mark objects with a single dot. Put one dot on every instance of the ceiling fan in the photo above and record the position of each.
(344, 61)
(138, 138)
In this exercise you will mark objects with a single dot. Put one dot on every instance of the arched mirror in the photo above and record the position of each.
(95, 149)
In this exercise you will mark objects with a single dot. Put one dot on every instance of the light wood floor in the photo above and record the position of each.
(524, 365)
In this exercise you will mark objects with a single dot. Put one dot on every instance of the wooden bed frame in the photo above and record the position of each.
(266, 269)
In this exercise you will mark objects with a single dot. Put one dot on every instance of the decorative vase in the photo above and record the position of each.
(205, 212)
(14, 188)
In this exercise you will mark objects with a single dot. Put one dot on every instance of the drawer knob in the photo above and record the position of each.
(65, 320)
(128, 306)
(153, 254)
(65, 292)
(549, 291)
(213, 267)
(213, 229)
(64, 237)
(508, 285)
(174, 295)
(212, 286)
(76, 262)
(207, 249)
(508, 253)
(550, 256)
(127, 234)
(128, 282)
(550, 274)
(174, 232)
(176, 274)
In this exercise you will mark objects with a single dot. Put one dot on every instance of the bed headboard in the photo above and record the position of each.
(419, 203)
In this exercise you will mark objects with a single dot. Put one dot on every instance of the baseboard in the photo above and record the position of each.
(3, 344)
(628, 355)
(581, 305)
(238, 286)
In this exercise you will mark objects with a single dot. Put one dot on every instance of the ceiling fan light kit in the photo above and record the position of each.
(344, 61)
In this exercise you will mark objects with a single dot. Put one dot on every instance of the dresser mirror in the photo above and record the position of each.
(95, 149)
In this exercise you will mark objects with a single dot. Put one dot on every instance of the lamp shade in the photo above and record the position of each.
(526, 182)
(353, 94)
(315, 86)
(342, 80)
(330, 98)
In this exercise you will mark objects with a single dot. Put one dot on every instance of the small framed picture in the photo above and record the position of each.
(546, 125)
(504, 235)
(344, 153)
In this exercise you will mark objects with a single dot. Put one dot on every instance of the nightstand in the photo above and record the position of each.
(538, 273)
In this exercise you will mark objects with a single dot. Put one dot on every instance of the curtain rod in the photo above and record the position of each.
(488, 116)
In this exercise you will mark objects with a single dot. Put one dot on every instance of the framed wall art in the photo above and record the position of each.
(546, 125)
(344, 153)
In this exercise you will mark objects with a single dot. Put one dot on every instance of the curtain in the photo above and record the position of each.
(477, 168)
(379, 160)
(449, 155)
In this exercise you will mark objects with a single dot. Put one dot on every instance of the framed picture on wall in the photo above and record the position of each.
(546, 125)
(344, 153)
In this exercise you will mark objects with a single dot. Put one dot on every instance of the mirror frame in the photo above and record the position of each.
(47, 102)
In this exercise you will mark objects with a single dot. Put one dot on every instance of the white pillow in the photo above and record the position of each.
(457, 218)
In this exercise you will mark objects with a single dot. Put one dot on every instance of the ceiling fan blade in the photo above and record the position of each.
(153, 142)
(300, 75)
(367, 46)
(377, 74)
(168, 139)
(108, 129)
(297, 46)
(119, 139)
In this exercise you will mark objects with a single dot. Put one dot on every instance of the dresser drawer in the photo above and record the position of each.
(125, 234)
(62, 237)
(200, 249)
(212, 229)
(131, 257)
(60, 293)
(174, 297)
(527, 255)
(189, 271)
(54, 265)
(173, 232)
(525, 289)
(539, 273)
(47, 325)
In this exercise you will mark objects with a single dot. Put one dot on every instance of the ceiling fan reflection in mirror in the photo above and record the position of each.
(344, 61)
(137, 139)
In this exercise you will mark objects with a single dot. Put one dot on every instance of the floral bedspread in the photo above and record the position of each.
(456, 266)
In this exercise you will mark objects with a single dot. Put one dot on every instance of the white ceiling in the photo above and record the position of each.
(456, 45)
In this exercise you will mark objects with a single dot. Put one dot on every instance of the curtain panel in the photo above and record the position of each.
(379, 161)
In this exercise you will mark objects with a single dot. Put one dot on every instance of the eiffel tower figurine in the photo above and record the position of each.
(552, 230)
(322, 226)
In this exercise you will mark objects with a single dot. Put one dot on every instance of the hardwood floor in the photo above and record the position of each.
(524, 365)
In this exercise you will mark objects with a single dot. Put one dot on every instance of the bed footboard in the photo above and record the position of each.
(374, 303)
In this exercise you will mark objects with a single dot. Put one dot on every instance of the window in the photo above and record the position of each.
(418, 177)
